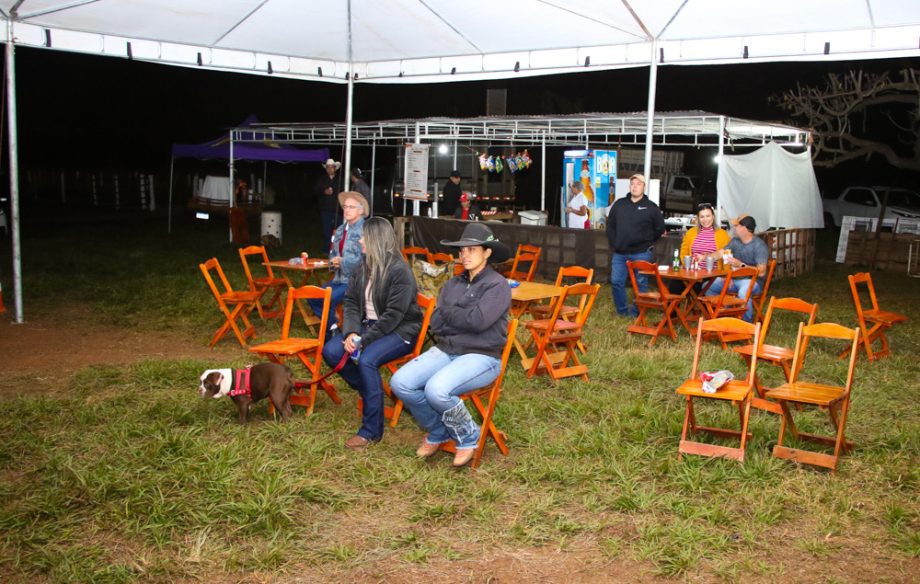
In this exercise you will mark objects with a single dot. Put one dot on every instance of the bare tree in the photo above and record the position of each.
(859, 114)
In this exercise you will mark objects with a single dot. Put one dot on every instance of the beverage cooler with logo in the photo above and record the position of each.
(596, 170)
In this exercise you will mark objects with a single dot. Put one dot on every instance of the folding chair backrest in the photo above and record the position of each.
(307, 293)
(759, 299)
(855, 281)
(254, 250)
(588, 293)
(730, 326)
(825, 330)
(441, 258)
(794, 305)
(426, 303)
(206, 269)
(649, 269)
(409, 252)
(525, 253)
(583, 275)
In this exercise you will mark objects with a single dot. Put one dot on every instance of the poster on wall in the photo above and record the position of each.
(416, 172)
(596, 170)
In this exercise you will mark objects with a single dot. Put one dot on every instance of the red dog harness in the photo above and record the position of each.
(240, 384)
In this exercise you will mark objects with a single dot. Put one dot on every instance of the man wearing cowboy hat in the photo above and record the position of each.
(747, 250)
(327, 186)
(470, 321)
(344, 251)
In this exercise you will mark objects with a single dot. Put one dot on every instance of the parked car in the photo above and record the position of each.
(860, 201)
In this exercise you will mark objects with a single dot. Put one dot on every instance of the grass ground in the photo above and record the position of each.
(124, 475)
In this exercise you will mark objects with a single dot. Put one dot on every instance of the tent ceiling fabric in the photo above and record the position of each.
(444, 40)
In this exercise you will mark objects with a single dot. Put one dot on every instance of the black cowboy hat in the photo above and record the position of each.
(476, 233)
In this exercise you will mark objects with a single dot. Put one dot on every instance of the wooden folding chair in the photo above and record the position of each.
(410, 253)
(760, 299)
(661, 300)
(264, 284)
(426, 303)
(526, 254)
(833, 398)
(446, 258)
(775, 354)
(880, 320)
(309, 350)
(556, 339)
(243, 302)
(726, 304)
(567, 275)
(737, 391)
(485, 400)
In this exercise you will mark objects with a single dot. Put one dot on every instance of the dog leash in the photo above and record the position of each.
(336, 369)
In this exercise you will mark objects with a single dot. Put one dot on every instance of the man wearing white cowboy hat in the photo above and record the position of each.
(325, 190)
(344, 250)
(470, 321)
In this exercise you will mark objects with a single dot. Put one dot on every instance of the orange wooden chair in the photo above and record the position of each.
(728, 305)
(873, 323)
(774, 354)
(833, 398)
(567, 275)
(426, 303)
(264, 284)
(556, 339)
(243, 302)
(661, 300)
(439, 258)
(760, 299)
(736, 391)
(526, 254)
(485, 399)
(308, 350)
(410, 253)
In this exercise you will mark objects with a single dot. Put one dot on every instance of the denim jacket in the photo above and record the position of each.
(351, 252)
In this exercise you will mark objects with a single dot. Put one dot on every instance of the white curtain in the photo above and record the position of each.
(775, 187)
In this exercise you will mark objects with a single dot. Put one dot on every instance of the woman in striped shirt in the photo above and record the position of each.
(705, 238)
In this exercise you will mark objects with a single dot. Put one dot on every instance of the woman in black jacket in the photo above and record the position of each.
(382, 322)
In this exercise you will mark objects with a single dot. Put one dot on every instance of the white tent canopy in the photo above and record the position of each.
(440, 40)
(776, 187)
(443, 40)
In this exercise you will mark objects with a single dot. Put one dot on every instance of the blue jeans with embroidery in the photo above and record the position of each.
(364, 376)
(740, 288)
(619, 278)
(338, 295)
(430, 384)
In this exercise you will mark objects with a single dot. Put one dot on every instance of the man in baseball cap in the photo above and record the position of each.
(747, 250)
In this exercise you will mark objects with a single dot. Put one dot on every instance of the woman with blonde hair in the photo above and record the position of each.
(381, 323)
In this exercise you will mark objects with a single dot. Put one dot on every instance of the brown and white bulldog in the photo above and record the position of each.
(245, 386)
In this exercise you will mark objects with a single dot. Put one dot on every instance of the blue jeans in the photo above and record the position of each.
(364, 376)
(338, 294)
(740, 288)
(619, 277)
(430, 384)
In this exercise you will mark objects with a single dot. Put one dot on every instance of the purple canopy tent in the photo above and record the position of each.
(220, 149)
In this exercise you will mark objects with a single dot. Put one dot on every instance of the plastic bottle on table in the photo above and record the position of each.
(675, 264)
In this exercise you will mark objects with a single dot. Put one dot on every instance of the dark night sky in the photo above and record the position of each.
(78, 109)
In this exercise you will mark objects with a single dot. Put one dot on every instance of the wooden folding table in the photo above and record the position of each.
(310, 273)
(690, 297)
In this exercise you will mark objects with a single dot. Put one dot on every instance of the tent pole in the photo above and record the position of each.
(719, 170)
(232, 193)
(543, 172)
(373, 172)
(172, 163)
(349, 111)
(264, 179)
(650, 122)
(416, 205)
(13, 140)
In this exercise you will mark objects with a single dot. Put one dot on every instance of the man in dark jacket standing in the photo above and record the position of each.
(451, 195)
(634, 224)
(326, 190)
